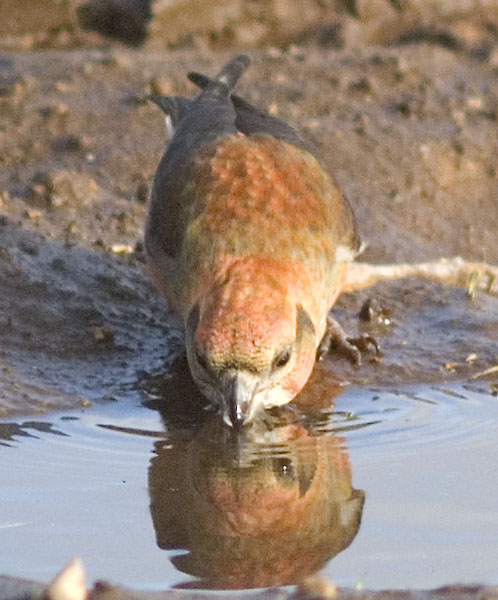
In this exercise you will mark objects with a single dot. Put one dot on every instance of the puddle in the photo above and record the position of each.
(391, 488)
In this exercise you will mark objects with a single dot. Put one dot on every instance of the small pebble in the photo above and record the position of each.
(103, 335)
(316, 586)
(121, 249)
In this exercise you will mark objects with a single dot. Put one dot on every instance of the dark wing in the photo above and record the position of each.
(197, 122)
(175, 107)
(250, 119)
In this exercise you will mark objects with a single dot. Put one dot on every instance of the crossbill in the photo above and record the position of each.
(248, 236)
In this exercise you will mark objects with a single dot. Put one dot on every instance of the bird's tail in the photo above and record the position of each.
(176, 108)
(200, 80)
(227, 78)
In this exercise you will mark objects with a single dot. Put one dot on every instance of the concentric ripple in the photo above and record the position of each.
(414, 416)
(82, 483)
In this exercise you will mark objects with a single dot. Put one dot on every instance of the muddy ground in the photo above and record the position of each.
(409, 131)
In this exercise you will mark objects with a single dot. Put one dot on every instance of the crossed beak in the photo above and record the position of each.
(240, 390)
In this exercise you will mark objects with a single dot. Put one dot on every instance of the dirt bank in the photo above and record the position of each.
(408, 129)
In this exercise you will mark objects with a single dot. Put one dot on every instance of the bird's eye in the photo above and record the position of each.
(281, 359)
(283, 468)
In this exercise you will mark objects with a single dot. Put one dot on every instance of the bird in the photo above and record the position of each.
(248, 237)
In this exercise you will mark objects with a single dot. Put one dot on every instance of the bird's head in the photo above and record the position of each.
(250, 345)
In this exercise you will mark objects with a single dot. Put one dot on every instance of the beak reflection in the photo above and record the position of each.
(241, 388)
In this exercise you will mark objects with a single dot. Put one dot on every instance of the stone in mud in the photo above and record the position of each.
(63, 188)
(123, 20)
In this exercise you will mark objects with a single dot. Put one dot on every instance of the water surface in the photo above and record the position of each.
(393, 487)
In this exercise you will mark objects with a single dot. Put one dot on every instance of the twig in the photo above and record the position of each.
(489, 371)
(448, 271)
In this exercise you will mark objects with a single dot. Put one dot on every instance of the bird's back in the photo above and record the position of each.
(237, 182)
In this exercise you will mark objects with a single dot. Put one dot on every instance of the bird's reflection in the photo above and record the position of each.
(265, 506)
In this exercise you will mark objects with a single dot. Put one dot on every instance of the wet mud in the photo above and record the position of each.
(409, 132)
(75, 326)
